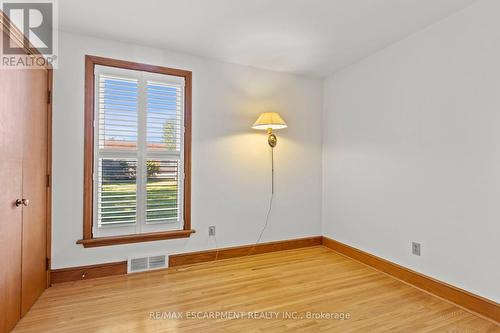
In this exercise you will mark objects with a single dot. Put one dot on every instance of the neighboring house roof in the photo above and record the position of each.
(130, 144)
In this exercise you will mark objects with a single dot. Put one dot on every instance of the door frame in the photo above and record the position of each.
(48, 223)
(20, 39)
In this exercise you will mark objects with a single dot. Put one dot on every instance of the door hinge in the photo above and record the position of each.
(47, 264)
(48, 180)
(49, 97)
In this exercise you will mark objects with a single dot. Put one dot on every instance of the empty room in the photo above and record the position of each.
(249, 166)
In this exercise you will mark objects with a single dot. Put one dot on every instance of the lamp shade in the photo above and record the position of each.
(269, 120)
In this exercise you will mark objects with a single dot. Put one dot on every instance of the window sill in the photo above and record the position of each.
(137, 238)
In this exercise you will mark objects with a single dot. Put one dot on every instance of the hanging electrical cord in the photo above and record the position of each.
(216, 249)
(268, 214)
(266, 121)
(271, 198)
(183, 269)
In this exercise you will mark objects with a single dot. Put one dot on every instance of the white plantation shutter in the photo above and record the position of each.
(138, 162)
(118, 112)
(117, 207)
(162, 192)
(164, 133)
(164, 121)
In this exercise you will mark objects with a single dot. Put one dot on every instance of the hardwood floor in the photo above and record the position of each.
(293, 282)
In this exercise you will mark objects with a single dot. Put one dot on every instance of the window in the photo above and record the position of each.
(137, 152)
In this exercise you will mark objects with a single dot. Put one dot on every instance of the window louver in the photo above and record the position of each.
(162, 191)
(138, 144)
(117, 191)
(164, 117)
(118, 104)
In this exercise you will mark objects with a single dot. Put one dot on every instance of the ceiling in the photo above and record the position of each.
(309, 37)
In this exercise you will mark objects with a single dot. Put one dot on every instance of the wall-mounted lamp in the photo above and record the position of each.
(269, 121)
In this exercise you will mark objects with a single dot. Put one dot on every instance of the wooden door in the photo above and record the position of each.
(34, 242)
(11, 153)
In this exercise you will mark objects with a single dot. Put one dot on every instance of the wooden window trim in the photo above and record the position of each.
(88, 240)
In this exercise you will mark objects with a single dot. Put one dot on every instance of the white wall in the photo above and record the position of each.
(231, 162)
(412, 151)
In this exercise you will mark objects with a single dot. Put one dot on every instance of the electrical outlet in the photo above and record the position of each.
(415, 248)
(211, 230)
